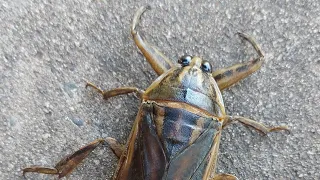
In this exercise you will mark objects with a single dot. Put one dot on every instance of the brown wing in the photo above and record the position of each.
(144, 157)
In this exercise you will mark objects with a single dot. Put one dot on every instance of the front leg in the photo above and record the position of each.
(226, 77)
(158, 61)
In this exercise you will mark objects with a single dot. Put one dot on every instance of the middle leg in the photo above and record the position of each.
(115, 92)
(254, 124)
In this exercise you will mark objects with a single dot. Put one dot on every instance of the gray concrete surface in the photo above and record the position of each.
(48, 48)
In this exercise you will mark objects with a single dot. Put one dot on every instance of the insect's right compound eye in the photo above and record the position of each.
(185, 60)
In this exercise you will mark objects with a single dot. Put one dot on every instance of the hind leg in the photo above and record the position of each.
(67, 164)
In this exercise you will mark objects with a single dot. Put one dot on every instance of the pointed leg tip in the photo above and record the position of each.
(280, 128)
(136, 18)
(24, 174)
(243, 35)
(88, 84)
(26, 170)
(148, 7)
(142, 9)
(239, 33)
(287, 130)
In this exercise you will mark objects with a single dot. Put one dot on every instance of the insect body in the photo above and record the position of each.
(177, 131)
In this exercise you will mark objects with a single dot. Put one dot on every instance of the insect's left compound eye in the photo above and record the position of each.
(206, 67)
(185, 60)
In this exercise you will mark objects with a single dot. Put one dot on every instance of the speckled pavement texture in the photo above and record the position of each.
(48, 49)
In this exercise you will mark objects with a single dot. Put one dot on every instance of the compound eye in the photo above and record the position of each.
(206, 67)
(185, 60)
